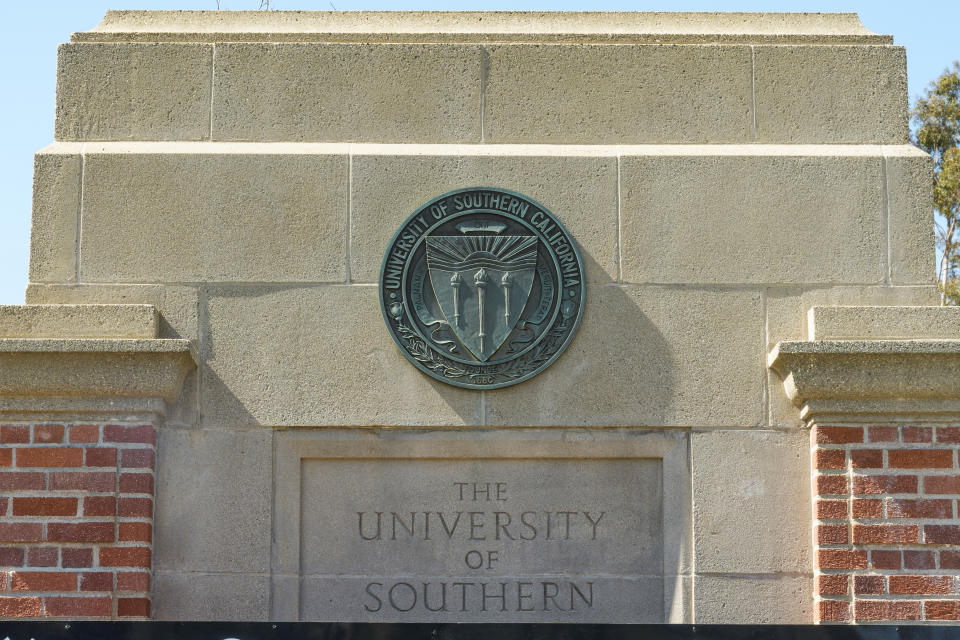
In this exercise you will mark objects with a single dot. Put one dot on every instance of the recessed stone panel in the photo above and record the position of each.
(482, 540)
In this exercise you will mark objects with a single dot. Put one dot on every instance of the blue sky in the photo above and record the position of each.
(929, 30)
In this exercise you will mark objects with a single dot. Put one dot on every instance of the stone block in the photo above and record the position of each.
(751, 501)
(649, 356)
(315, 356)
(787, 320)
(349, 92)
(580, 190)
(589, 94)
(78, 321)
(213, 501)
(172, 217)
(910, 210)
(742, 216)
(884, 323)
(831, 94)
(758, 599)
(177, 305)
(56, 211)
(237, 597)
(133, 91)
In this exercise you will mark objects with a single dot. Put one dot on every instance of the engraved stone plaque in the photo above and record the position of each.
(518, 540)
(482, 288)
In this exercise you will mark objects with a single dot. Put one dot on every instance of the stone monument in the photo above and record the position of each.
(497, 317)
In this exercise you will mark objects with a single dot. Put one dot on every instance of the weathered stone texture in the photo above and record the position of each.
(56, 210)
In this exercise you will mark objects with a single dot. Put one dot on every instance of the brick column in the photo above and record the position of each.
(886, 532)
(884, 416)
(77, 519)
(78, 435)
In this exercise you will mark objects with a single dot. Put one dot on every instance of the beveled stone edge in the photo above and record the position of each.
(578, 27)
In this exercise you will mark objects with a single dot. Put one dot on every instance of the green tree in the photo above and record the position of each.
(936, 116)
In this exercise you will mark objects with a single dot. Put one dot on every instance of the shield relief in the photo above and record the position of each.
(482, 283)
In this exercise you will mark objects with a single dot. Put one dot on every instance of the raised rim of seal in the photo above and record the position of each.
(578, 316)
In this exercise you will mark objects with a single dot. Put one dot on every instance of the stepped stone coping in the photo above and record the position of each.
(481, 27)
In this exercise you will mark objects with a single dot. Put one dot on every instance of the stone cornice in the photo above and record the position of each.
(858, 381)
(58, 377)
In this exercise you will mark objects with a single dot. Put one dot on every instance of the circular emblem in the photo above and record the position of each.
(482, 288)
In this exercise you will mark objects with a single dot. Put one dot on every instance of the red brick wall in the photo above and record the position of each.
(886, 527)
(76, 520)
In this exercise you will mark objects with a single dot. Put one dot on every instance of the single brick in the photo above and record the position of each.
(6, 457)
(45, 506)
(874, 484)
(99, 506)
(138, 459)
(49, 457)
(866, 458)
(14, 434)
(43, 581)
(884, 559)
(101, 457)
(136, 483)
(917, 434)
(920, 458)
(832, 534)
(84, 433)
(144, 434)
(77, 558)
(886, 534)
(920, 508)
(883, 434)
(868, 585)
(96, 581)
(3, 506)
(941, 484)
(833, 611)
(832, 585)
(21, 532)
(919, 559)
(830, 459)
(867, 508)
(942, 609)
(133, 581)
(949, 435)
(838, 435)
(133, 607)
(949, 559)
(124, 557)
(99, 481)
(79, 607)
(43, 556)
(887, 610)
(941, 534)
(922, 584)
(136, 508)
(48, 434)
(20, 607)
(831, 484)
(135, 532)
(11, 557)
(831, 509)
(80, 532)
(841, 559)
(22, 480)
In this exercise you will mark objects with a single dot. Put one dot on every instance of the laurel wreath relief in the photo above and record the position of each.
(432, 360)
